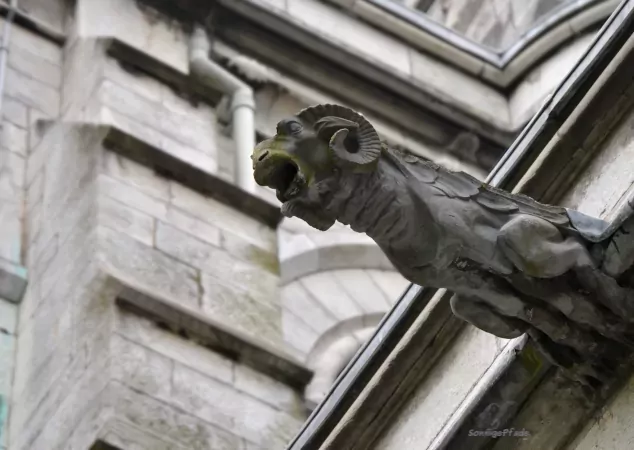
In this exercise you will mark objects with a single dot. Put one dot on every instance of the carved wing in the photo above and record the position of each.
(464, 186)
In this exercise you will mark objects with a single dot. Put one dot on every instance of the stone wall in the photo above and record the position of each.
(33, 77)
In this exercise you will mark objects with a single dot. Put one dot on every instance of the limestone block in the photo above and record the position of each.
(31, 64)
(119, 217)
(331, 296)
(134, 174)
(146, 333)
(349, 32)
(10, 231)
(266, 389)
(12, 171)
(442, 391)
(361, 287)
(297, 300)
(24, 39)
(298, 335)
(171, 424)
(13, 138)
(256, 314)
(132, 197)
(137, 82)
(54, 387)
(33, 93)
(138, 26)
(195, 157)
(51, 12)
(121, 433)
(249, 276)
(183, 122)
(140, 368)
(76, 402)
(265, 259)
(14, 112)
(193, 226)
(233, 410)
(222, 216)
(149, 269)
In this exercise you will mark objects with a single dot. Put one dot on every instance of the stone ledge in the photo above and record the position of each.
(13, 281)
(137, 60)
(194, 178)
(217, 337)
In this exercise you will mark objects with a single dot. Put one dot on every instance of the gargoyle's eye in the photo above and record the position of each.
(294, 128)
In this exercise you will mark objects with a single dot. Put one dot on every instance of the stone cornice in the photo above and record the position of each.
(216, 336)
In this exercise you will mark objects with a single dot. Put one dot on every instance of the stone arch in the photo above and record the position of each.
(332, 352)
(304, 251)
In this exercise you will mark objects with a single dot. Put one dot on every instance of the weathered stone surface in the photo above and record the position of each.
(33, 93)
(255, 313)
(176, 428)
(8, 317)
(609, 176)
(195, 227)
(36, 67)
(442, 391)
(154, 271)
(610, 428)
(130, 196)
(303, 303)
(13, 138)
(186, 352)
(247, 276)
(266, 389)
(10, 231)
(361, 287)
(119, 217)
(140, 27)
(393, 284)
(325, 288)
(14, 112)
(123, 434)
(141, 368)
(473, 96)
(135, 175)
(222, 216)
(179, 150)
(372, 44)
(232, 409)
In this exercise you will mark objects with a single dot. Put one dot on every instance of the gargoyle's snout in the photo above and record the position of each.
(276, 169)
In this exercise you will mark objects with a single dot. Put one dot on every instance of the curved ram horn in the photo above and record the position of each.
(367, 145)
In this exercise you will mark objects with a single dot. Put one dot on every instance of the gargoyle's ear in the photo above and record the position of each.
(326, 127)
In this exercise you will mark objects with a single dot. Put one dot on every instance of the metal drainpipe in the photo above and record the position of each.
(242, 104)
(4, 50)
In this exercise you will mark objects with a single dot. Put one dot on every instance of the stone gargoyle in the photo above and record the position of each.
(516, 266)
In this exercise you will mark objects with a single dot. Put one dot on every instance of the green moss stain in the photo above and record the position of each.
(264, 259)
(531, 359)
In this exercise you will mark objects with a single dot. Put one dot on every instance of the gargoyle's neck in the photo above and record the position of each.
(369, 203)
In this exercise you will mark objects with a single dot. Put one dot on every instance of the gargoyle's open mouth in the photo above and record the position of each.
(281, 174)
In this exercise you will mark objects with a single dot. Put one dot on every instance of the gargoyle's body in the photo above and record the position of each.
(516, 265)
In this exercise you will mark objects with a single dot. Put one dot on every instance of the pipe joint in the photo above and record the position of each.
(242, 98)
